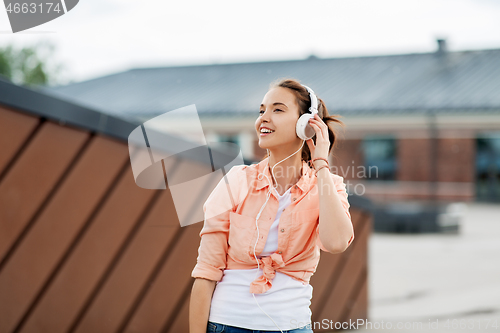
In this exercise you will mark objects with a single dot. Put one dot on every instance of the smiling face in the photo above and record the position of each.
(279, 112)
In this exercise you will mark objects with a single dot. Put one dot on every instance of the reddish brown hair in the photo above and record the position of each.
(304, 102)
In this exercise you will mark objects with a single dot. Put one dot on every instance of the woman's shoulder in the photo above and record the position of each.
(238, 173)
(238, 169)
(243, 175)
(244, 169)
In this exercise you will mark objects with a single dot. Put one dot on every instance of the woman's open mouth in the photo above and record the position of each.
(266, 131)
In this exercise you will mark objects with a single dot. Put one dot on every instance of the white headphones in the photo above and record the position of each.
(303, 128)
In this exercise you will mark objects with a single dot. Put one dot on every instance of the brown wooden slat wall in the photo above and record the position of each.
(84, 249)
(344, 276)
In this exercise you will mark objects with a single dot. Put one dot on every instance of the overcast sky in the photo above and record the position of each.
(100, 37)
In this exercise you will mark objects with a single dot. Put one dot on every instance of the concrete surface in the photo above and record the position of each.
(449, 280)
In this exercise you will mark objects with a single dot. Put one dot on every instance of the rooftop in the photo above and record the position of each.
(408, 83)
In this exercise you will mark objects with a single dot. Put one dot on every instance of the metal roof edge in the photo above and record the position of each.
(40, 104)
(309, 58)
(44, 105)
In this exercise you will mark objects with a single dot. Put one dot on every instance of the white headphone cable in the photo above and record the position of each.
(258, 215)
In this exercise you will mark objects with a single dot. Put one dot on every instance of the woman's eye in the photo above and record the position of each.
(262, 111)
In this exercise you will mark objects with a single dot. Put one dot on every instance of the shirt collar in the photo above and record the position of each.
(303, 183)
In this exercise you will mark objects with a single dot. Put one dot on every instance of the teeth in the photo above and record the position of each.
(265, 130)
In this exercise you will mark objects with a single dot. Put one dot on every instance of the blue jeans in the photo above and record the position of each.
(222, 328)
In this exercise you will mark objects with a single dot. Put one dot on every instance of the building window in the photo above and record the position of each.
(488, 167)
(380, 160)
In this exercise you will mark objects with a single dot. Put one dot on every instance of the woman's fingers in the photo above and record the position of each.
(312, 147)
(319, 129)
(319, 121)
(322, 137)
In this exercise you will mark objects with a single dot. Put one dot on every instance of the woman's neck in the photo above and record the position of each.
(286, 173)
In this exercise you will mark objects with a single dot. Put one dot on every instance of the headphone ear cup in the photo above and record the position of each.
(304, 129)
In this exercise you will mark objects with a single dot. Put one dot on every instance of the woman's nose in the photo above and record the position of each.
(264, 116)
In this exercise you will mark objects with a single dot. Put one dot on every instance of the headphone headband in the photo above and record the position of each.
(314, 100)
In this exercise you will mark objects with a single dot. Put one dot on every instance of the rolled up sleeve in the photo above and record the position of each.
(212, 252)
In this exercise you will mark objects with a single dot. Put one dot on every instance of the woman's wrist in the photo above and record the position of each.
(324, 166)
(319, 162)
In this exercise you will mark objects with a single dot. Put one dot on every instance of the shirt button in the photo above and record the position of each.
(294, 199)
(295, 186)
(282, 230)
(279, 252)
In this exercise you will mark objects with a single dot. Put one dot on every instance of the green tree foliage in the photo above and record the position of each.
(31, 65)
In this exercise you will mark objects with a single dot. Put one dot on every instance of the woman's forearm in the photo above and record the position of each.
(199, 305)
(335, 227)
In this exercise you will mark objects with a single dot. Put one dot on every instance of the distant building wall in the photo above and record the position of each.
(453, 173)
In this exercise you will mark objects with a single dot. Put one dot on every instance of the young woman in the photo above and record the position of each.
(258, 251)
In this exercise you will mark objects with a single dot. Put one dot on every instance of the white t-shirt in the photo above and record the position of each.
(287, 302)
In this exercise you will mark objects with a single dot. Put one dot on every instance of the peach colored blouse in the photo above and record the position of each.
(229, 232)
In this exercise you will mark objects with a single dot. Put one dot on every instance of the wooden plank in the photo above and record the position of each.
(38, 256)
(328, 270)
(181, 323)
(87, 266)
(166, 292)
(356, 262)
(126, 282)
(328, 264)
(64, 300)
(359, 307)
(15, 129)
(34, 175)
